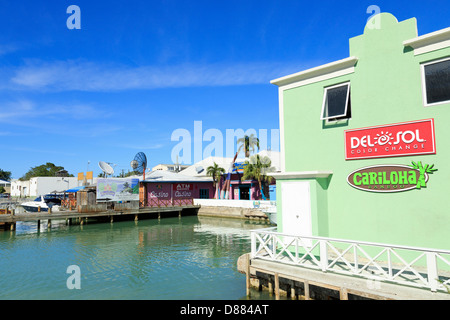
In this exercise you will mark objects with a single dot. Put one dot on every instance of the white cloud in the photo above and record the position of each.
(26, 109)
(88, 76)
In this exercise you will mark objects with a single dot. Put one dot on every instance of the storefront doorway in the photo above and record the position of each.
(296, 206)
(244, 193)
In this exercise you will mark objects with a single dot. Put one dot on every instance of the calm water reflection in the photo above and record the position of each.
(188, 258)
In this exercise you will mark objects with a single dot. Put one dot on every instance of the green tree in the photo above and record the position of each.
(257, 168)
(44, 170)
(215, 171)
(5, 175)
(249, 143)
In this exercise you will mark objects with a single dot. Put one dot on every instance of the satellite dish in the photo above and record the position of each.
(139, 163)
(106, 168)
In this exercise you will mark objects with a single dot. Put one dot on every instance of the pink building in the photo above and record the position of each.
(165, 189)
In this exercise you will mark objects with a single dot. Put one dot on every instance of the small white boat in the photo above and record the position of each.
(40, 204)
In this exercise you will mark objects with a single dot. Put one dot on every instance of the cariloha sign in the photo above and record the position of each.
(391, 178)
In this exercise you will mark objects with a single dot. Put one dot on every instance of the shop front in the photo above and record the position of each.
(166, 189)
(364, 141)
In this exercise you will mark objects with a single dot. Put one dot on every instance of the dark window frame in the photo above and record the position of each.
(425, 83)
(346, 114)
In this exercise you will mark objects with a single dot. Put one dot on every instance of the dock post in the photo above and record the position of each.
(293, 294)
(247, 275)
(343, 294)
(81, 221)
(38, 225)
(307, 296)
(277, 286)
(179, 214)
(12, 227)
(49, 224)
(112, 219)
(136, 217)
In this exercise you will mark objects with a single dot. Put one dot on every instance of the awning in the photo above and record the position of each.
(75, 189)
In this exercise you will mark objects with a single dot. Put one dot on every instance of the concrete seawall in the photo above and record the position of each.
(239, 209)
(232, 212)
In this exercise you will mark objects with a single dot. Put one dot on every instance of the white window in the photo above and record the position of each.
(436, 82)
(336, 102)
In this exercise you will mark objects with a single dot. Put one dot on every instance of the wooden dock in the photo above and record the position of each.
(9, 220)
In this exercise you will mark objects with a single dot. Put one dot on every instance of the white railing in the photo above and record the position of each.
(418, 267)
(250, 204)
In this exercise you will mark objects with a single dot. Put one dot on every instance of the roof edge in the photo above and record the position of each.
(317, 71)
(429, 38)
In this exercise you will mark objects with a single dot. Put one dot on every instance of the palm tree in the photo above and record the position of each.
(257, 168)
(215, 172)
(249, 143)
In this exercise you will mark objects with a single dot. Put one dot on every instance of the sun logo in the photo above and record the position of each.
(384, 138)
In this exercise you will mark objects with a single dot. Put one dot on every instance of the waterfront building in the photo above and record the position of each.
(362, 196)
(360, 136)
(170, 167)
(165, 188)
(38, 186)
(238, 189)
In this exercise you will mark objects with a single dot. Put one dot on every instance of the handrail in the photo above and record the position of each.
(355, 258)
(266, 230)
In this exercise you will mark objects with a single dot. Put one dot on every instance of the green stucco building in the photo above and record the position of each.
(362, 137)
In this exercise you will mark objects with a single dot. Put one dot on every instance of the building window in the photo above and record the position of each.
(436, 82)
(204, 193)
(336, 103)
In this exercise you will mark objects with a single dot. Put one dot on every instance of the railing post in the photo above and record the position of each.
(253, 244)
(323, 255)
(432, 271)
(274, 245)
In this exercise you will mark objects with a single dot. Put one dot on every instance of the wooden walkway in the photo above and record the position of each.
(9, 220)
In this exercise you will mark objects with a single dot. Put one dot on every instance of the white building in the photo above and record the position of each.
(41, 185)
(169, 167)
(199, 169)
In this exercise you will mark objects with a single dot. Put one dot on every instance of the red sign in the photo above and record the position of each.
(183, 190)
(392, 140)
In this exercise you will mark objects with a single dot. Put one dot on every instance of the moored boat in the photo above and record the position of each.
(41, 204)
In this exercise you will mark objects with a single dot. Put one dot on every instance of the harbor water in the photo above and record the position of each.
(193, 258)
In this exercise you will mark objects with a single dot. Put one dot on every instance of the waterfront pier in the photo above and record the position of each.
(320, 268)
(9, 218)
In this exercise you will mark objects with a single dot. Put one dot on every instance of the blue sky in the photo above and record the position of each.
(138, 70)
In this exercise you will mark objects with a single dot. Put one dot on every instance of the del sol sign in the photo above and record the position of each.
(392, 140)
(391, 178)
